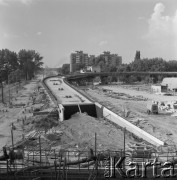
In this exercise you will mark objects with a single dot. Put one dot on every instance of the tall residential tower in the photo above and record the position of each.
(78, 60)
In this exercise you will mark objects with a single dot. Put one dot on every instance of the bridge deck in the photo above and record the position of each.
(64, 93)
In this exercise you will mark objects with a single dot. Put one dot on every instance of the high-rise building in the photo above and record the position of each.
(78, 60)
(137, 56)
(111, 59)
(72, 62)
(106, 56)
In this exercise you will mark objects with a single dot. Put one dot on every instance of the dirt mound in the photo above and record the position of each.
(80, 130)
(41, 122)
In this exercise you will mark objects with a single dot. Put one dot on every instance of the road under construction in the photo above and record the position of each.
(44, 163)
(68, 96)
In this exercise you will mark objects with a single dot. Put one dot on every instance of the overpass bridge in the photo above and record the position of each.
(117, 74)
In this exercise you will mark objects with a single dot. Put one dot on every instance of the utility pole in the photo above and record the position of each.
(124, 143)
(124, 138)
(9, 92)
(2, 92)
(40, 153)
(12, 137)
(16, 87)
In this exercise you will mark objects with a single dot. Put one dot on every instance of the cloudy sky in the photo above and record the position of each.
(55, 28)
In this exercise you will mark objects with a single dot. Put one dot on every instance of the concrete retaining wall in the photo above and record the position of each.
(49, 91)
(99, 110)
(130, 127)
(73, 87)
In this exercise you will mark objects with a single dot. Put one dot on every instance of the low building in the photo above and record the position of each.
(171, 83)
(89, 68)
(159, 88)
(82, 71)
(96, 69)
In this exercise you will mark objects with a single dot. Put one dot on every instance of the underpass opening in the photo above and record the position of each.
(69, 110)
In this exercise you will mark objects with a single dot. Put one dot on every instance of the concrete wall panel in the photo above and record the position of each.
(130, 127)
(99, 110)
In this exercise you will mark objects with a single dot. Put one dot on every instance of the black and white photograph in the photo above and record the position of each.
(88, 89)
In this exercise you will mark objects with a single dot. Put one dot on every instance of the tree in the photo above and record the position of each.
(137, 56)
(15, 76)
(65, 69)
(30, 62)
(37, 62)
(59, 70)
(114, 79)
(113, 69)
(8, 63)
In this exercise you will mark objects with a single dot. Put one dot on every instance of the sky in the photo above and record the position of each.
(56, 28)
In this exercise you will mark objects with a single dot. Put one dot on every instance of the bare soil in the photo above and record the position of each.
(80, 131)
(162, 126)
(20, 109)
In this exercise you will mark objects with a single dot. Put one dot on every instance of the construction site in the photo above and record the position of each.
(50, 129)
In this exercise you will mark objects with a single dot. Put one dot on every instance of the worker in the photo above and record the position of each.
(5, 156)
(91, 154)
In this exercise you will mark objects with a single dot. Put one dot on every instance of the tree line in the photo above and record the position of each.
(147, 65)
(16, 66)
(151, 65)
(144, 65)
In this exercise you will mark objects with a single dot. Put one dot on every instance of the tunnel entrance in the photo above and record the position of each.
(69, 110)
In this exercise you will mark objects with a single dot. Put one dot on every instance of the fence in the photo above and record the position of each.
(87, 164)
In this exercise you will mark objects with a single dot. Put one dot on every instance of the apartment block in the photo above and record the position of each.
(78, 60)
(111, 59)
